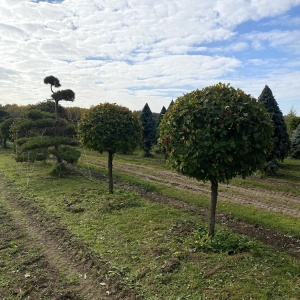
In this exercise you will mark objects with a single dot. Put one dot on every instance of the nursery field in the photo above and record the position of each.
(67, 238)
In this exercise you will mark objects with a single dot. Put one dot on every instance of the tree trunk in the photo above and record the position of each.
(110, 166)
(213, 206)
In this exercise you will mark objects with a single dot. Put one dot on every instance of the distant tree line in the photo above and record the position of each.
(48, 129)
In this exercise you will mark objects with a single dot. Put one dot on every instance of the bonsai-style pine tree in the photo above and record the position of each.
(66, 95)
(42, 132)
(280, 136)
(216, 134)
(36, 139)
(111, 128)
(149, 134)
(295, 143)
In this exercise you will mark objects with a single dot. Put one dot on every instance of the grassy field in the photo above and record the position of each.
(156, 250)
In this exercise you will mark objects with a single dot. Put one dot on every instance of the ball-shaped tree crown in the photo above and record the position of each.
(110, 127)
(216, 134)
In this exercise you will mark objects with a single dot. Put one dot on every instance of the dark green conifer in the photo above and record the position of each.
(149, 130)
(280, 136)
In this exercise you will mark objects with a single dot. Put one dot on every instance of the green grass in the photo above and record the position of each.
(287, 224)
(148, 245)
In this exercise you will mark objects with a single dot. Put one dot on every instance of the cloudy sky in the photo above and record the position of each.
(131, 52)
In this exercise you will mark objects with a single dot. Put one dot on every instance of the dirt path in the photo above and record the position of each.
(272, 201)
(67, 270)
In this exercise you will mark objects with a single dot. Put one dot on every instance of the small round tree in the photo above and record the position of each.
(112, 128)
(216, 134)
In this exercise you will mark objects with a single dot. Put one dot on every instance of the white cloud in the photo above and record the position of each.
(138, 51)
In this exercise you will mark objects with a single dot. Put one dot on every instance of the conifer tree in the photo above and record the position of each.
(280, 136)
(149, 130)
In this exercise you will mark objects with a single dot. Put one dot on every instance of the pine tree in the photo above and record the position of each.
(280, 136)
(149, 130)
(295, 143)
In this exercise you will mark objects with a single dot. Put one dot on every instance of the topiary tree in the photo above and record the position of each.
(295, 143)
(112, 128)
(36, 139)
(280, 137)
(216, 134)
(66, 95)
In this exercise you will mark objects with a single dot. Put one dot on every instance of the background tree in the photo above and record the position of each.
(216, 134)
(280, 136)
(292, 121)
(49, 106)
(5, 133)
(149, 130)
(111, 128)
(295, 143)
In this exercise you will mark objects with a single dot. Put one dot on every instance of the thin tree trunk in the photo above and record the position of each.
(110, 177)
(213, 206)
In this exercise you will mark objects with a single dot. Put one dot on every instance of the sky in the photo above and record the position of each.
(133, 52)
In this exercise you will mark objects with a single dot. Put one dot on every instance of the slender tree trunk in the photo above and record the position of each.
(213, 206)
(110, 177)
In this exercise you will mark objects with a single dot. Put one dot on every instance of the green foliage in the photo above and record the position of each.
(149, 130)
(43, 142)
(53, 81)
(223, 241)
(295, 143)
(280, 136)
(67, 153)
(216, 134)
(158, 120)
(32, 156)
(67, 95)
(110, 127)
(5, 133)
(49, 106)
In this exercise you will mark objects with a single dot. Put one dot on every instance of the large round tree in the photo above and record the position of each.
(111, 128)
(215, 134)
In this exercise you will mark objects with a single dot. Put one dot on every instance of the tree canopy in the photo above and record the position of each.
(112, 128)
(215, 134)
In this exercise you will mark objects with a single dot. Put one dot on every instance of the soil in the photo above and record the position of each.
(64, 267)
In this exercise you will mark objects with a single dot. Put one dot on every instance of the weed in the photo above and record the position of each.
(223, 241)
